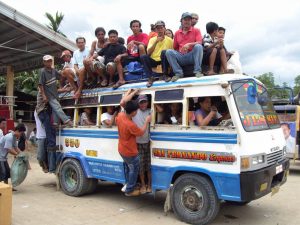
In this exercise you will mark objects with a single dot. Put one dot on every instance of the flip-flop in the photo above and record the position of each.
(117, 85)
(104, 83)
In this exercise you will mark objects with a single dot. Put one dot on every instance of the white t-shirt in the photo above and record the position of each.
(290, 144)
(40, 129)
(105, 116)
(139, 120)
(79, 56)
(1, 133)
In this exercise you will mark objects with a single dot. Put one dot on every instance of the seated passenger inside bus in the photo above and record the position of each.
(108, 117)
(86, 117)
(207, 114)
(169, 113)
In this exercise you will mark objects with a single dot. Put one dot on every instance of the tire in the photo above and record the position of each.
(237, 203)
(194, 199)
(92, 185)
(72, 179)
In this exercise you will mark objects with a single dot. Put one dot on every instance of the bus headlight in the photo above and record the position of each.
(258, 159)
(284, 150)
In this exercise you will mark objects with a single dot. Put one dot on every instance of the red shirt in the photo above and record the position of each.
(180, 39)
(141, 37)
(128, 131)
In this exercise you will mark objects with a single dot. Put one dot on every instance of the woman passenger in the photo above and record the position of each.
(208, 114)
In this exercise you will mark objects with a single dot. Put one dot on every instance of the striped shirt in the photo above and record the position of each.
(207, 40)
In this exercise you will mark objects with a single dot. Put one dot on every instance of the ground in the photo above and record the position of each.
(37, 202)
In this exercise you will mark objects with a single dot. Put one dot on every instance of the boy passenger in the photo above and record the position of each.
(112, 53)
(128, 131)
(156, 53)
(187, 48)
(108, 118)
(143, 142)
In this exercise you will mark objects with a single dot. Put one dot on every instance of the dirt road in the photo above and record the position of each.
(37, 202)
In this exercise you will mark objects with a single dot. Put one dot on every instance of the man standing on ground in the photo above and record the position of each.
(8, 144)
(128, 131)
(187, 48)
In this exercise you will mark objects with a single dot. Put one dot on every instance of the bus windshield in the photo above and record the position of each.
(255, 108)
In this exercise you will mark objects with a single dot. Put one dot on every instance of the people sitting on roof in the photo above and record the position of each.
(169, 33)
(112, 54)
(78, 57)
(156, 53)
(214, 51)
(68, 72)
(187, 48)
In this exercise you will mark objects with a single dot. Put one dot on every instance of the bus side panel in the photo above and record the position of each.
(100, 169)
(227, 185)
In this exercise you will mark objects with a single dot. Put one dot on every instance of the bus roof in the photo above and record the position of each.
(188, 81)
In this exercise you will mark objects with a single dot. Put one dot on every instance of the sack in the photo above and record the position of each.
(135, 67)
(19, 169)
(235, 63)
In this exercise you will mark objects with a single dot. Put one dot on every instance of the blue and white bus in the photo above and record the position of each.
(239, 160)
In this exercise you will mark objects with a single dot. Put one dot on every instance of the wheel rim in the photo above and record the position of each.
(192, 199)
(71, 178)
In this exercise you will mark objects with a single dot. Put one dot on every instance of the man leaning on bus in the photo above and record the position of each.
(128, 131)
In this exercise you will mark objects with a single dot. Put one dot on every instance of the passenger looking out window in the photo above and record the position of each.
(86, 117)
(108, 118)
(172, 113)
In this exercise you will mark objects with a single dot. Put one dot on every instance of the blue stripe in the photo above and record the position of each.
(159, 136)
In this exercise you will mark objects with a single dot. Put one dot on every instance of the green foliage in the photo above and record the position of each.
(297, 85)
(55, 21)
(27, 82)
(267, 79)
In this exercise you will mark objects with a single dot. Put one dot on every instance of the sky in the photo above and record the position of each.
(264, 32)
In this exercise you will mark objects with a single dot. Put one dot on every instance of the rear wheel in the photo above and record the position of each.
(72, 179)
(194, 199)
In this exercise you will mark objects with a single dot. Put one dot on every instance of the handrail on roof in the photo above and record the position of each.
(7, 100)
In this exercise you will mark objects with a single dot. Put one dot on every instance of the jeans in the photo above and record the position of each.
(54, 159)
(132, 166)
(164, 62)
(45, 117)
(58, 113)
(177, 59)
(148, 63)
(42, 150)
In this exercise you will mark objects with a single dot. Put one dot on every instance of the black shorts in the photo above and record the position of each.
(145, 157)
(4, 171)
(206, 55)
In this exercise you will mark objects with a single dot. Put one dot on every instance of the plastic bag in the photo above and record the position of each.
(135, 68)
(19, 169)
(235, 63)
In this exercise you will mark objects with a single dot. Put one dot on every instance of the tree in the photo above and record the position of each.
(297, 85)
(55, 22)
(267, 79)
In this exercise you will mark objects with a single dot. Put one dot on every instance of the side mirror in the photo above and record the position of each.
(262, 100)
(251, 94)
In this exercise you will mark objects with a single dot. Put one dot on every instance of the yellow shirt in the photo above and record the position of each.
(165, 44)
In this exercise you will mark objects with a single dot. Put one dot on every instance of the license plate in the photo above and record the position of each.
(278, 169)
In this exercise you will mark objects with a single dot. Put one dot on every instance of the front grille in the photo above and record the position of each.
(274, 157)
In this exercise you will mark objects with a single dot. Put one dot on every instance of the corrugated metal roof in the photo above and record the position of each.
(23, 41)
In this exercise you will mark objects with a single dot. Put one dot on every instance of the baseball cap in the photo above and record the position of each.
(47, 57)
(142, 98)
(65, 52)
(159, 23)
(185, 15)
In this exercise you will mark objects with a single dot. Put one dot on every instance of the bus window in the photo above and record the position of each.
(87, 116)
(108, 115)
(209, 111)
(169, 113)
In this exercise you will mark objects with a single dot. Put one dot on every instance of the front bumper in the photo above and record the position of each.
(255, 184)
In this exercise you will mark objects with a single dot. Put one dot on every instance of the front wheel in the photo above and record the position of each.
(72, 179)
(194, 199)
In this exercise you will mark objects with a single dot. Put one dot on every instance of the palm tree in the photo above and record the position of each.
(55, 22)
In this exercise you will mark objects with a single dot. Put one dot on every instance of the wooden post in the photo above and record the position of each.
(10, 87)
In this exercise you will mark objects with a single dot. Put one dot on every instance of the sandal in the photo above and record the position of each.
(117, 85)
(143, 190)
(111, 84)
(104, 83)
(149, 189)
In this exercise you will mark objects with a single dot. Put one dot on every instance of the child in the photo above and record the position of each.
(85, 119)
(48, 87)
(214, 53)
